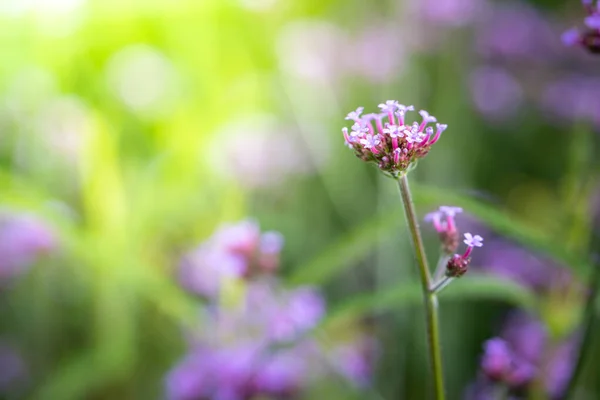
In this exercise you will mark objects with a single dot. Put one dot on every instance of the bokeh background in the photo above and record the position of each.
(130, 130)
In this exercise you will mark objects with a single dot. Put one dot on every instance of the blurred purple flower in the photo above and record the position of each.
(522, 352)
(282, 374)
(561, 367)
(515, 30)
(299, 311)
(242, 237)
(312, 50)
(235, 356)
(588, 38)
(271, 242)
(23, 238)
(190, 379)
(259, 151)
(573, 98)
(259, 345)
(450, 13)
(512, 262)
(496, 94)
(355, 359)
(204, 270)
(234, 251)
(375, 61)
(526, 335)
(497, 359)
(12, 367)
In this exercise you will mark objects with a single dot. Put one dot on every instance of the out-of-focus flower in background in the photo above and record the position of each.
(588, 38)
(261, 343)
(313, 50)
(378, 53)
(63, 124)
(23, 238)
(447, 13)
(495, 92)
(512, 262)
(143, 79)
(509, 30)
(258, 151)
(523, 354)
(27, 91)
(12, 365)
(573, 98)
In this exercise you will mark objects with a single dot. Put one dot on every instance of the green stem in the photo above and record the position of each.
(429, 298)
(441, 284)
(440, 270)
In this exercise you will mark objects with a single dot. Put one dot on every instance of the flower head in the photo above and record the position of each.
(589, 38)
(389, 141)
(473, 241)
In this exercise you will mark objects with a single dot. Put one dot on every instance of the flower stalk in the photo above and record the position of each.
(440, 270)
(429, 296)
(441, 284)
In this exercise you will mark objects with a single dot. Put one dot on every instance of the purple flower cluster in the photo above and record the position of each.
(254, 348)
(23, 238)
(234, 251)
(391, 142)
(522, 356)
(589, 38)
(259, 346)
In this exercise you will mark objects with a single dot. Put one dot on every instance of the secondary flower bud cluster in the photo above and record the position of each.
(588, 38)
(388, 140)
(445, 225)
(458, 264)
